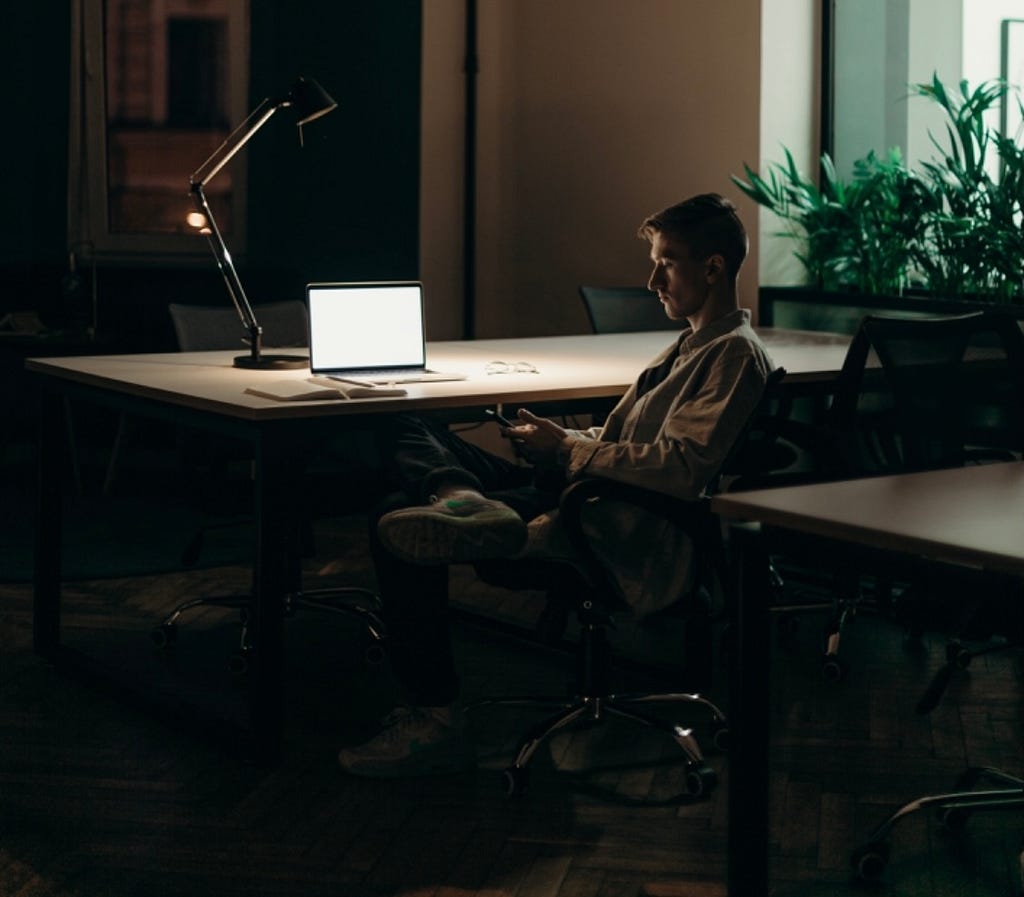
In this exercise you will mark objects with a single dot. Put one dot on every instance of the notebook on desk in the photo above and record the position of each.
(369, 333)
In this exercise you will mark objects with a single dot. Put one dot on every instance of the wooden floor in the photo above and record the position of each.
(101, 798)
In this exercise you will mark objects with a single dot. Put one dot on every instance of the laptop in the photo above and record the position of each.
(369, 333)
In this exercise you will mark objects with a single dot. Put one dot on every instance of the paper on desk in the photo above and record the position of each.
(288, 389)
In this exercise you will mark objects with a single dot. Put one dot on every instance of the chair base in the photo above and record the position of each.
(356, 603)
(953, 811)
(700, 778)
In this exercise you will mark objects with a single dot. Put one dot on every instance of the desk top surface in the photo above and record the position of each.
(569, 367)
(966, 515)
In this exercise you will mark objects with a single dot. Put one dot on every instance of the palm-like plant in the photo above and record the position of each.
(973, 240)
(952, 227)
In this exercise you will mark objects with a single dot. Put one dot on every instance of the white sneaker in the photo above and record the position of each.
(415, 741)
(461, 527)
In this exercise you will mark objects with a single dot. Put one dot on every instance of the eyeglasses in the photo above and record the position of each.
(511, 367)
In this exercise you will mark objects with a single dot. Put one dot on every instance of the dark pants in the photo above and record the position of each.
(419, 455)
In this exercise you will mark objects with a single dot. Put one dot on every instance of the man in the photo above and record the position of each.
(670, 432)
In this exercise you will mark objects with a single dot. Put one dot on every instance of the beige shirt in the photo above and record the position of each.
(671, 438)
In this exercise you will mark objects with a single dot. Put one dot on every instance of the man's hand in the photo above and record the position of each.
(537, 438)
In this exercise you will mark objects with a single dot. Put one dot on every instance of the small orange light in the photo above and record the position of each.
(196, 220)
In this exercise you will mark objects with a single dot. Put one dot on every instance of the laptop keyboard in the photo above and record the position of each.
(384, 376)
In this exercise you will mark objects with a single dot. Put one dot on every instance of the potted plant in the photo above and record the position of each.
(950, 230)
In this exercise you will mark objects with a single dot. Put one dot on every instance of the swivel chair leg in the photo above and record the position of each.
(350, 601)
(165, 633)
(364, 606)
(700, 778)
(718, 727)
(952, 810)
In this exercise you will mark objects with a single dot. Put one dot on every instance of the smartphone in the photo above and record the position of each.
(495, 416)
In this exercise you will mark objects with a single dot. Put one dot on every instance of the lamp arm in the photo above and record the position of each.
(310, 101)
(227, 270)
(238, 138)
(197, 181)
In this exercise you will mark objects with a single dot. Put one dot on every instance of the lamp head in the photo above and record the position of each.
(309, 100)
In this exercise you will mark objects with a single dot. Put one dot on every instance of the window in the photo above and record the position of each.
(161, 83)
(875, 48)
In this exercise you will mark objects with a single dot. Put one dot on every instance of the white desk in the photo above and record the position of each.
(972, 516)
(570, 368)
(203, 390)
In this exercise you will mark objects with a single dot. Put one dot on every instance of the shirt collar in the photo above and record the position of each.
(690, 341)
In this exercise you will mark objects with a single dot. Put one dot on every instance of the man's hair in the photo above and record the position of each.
(707, 224)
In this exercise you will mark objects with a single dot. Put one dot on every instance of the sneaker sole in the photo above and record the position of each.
(422, 538)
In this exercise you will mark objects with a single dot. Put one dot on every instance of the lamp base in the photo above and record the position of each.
(272, 362)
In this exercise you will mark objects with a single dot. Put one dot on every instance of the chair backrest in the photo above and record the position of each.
(754, 456)
(924, 393)
(204, 327)
(624, 310)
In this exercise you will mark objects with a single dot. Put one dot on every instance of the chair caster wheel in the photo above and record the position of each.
(833, 669)
(516, 780)
(700, 781)
(869, 861)
(238, 663)
(374, 654)
(164, 635)
(720, 735)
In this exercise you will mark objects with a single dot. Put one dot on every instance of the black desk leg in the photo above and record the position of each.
(46, 572)
(275, 496)
(749, 714)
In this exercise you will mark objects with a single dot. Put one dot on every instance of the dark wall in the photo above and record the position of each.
(351, 194)
(34, 64)
(343, 207)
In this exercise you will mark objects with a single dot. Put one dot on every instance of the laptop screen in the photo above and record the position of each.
(355, 326)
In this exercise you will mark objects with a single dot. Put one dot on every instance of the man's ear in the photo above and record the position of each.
(714, 267)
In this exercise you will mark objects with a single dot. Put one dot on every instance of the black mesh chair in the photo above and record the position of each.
(954, 395)
(913, 394)
(624, 310)
(202, 328)
(199, 328)
(919, 394)
(589, 591)
(947, 394)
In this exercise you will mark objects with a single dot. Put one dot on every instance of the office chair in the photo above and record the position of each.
(978, 789)
(201, 328)
(591, 592)
(210, 459)
(956, 397)
(913, 394)
(624, 310)
(205, 327)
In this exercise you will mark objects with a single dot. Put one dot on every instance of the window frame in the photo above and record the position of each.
(88, 179)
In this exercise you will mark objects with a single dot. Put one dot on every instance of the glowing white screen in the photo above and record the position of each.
(365, 326)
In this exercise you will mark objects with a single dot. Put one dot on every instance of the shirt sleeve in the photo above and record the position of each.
(693, 438)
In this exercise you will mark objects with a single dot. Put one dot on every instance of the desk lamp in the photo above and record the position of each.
(310, 101)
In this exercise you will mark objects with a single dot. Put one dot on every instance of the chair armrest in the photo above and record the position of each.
(693, 517)
(679, 511)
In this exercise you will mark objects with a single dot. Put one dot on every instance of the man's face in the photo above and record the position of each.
(679, 279)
